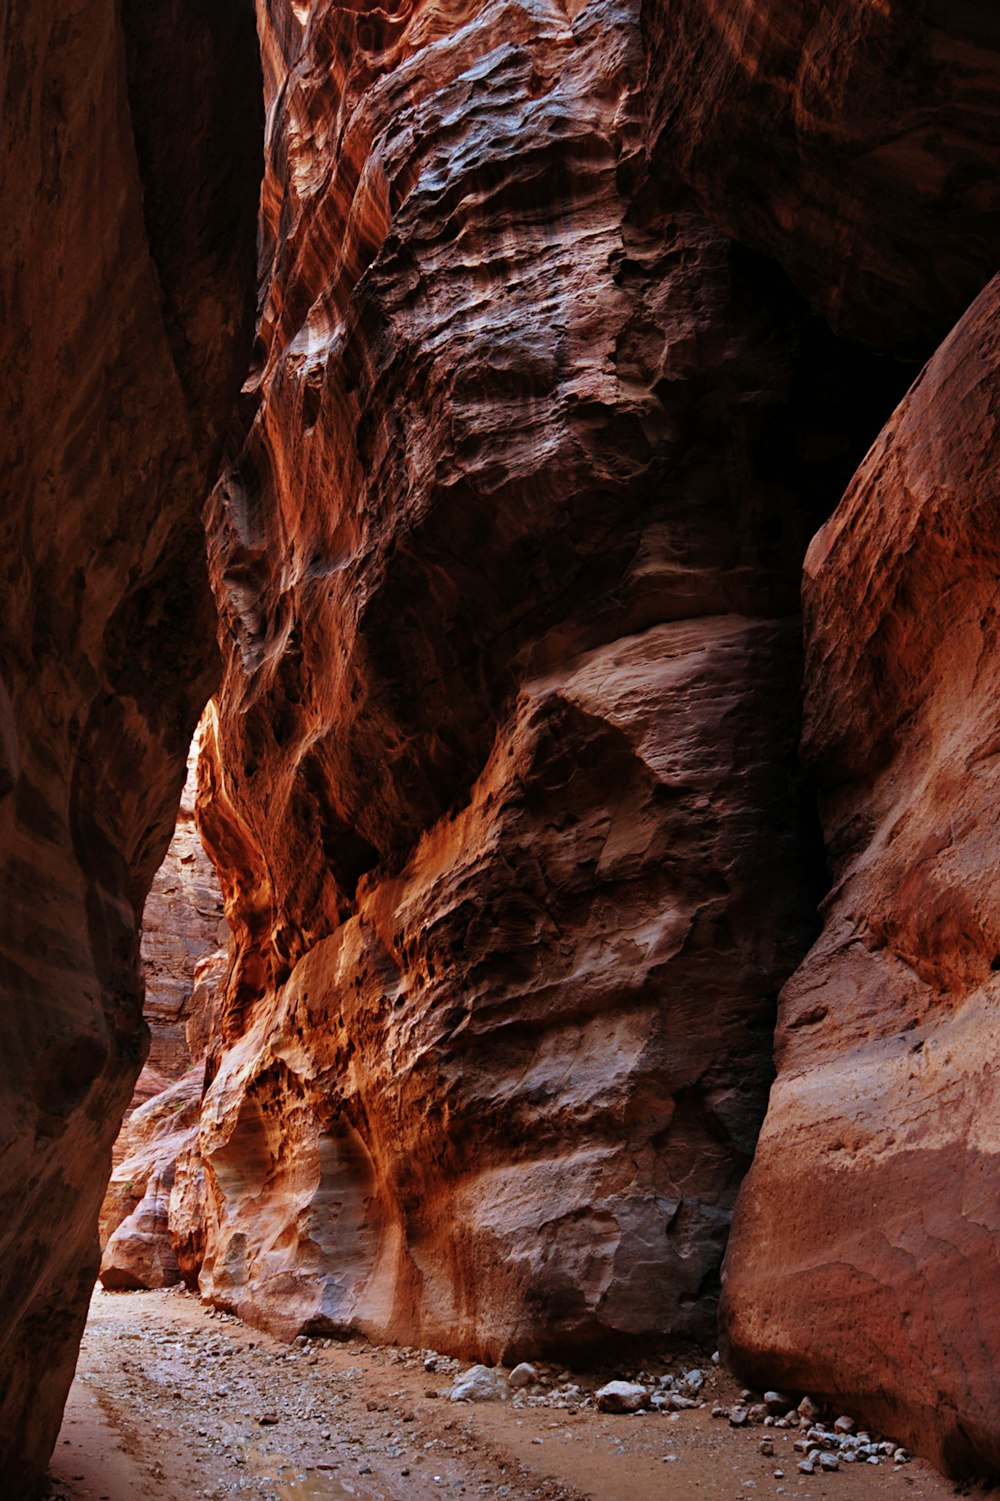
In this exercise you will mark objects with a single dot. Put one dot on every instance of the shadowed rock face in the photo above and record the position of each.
(863, 1264)
(503, 796)
(856, 142)
(127, 191)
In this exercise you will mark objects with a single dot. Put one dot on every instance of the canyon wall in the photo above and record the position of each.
(127, 185)
(182, 930)
(503, 792)
(183, 973)
(863, 1264)
(857, 143)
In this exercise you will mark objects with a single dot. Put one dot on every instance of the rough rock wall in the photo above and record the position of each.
(184, 973)
(124, 271)
(182, 924)
(504, 796)
(135, 1215)
(858, 143)
(863, 1264)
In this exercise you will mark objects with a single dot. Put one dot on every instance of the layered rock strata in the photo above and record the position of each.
(184, 973)
(856, 143)
(127, 190)
(503, 795)
(182, 928)
(863, 1265)
(135, 1217)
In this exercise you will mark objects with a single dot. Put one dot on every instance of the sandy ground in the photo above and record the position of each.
(173, 1401)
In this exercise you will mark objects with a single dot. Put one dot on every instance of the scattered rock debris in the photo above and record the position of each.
(176, 1402)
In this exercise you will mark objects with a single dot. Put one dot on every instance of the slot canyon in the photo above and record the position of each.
(499, 714)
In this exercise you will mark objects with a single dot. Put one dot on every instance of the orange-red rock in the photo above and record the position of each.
(127, 196)
(503, 796)
(863, 1265)
(182, 925)
(135, 1227)
(855, 141)
(184, 973)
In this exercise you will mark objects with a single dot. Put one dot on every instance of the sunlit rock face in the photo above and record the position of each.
(183, 970)
(855, 141)
(127, 190)
(135, 1215)
(504, 794)
(863, 1264)
(182, 926)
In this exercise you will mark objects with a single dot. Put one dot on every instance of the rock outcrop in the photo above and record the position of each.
(503, 794)
(184, 975)
(127, 190)
(863, 1265)
(857, 143)
(182, 927)
(135, 1216)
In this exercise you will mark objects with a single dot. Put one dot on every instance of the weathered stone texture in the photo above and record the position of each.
(127, 195)
(182, 925)
(863, 1265)
(858, 143)
(135, 1221)
(503, 795)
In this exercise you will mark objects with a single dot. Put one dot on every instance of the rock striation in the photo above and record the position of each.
(127, 188)
(503, 790)
(182, 963)
(184, 975)
(857, 143)
(135, 1217)
(863, 1264)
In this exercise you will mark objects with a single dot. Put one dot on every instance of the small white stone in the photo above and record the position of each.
(480, 1383)
(622, 1396)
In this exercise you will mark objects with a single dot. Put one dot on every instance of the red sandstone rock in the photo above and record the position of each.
(135, 1216)
(856, 142)
(863, 1265)
(127, 200)
(504, 798)
(182, 923)
(184, 975)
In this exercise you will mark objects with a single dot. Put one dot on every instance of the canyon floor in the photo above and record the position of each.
(174, 1401)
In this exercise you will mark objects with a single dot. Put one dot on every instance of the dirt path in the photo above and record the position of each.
(173, 1402)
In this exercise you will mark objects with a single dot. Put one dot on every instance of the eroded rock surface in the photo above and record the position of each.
(127, 192)
(184, 975)
(135, 1216)
(863, 1264)
(182, 925)
(857, 143)
(503, 796)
